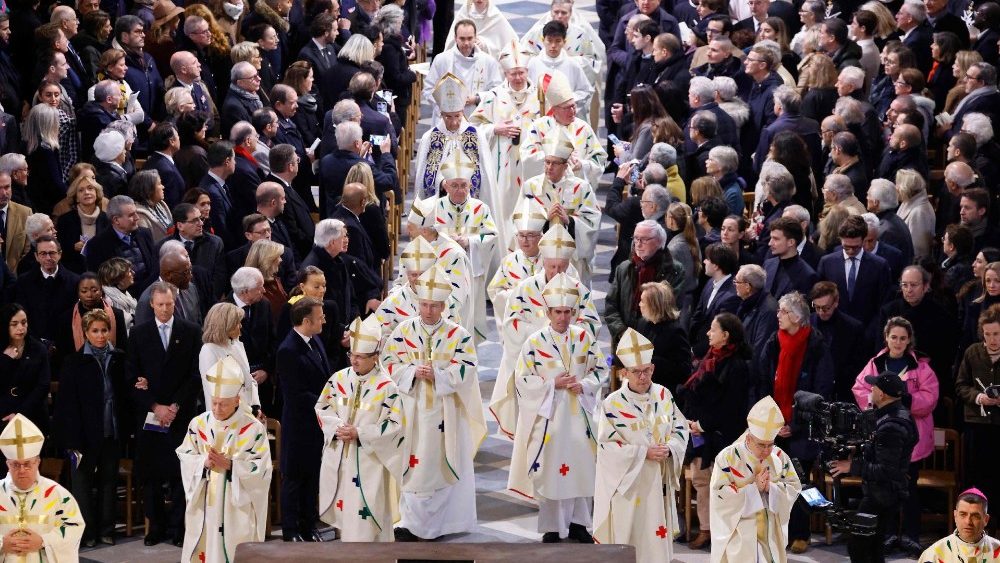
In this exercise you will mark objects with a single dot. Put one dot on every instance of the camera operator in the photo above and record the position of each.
(883, 464)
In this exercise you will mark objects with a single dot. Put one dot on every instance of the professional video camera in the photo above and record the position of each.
(838, 427)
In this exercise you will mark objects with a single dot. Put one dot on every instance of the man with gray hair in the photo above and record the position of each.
(248, 174)
(917, 32)
(665, 155)
(242, 99)
(125, 239)
(758, 309)
(981, 96)
(987, 158)
(883, 201)
(651, 261)
(15, 165)
(838, 190)
(95, 115)
(654, 202)
(257, 331)
(701, 97)
(344, 110)
(353, 149)
(871, 243)
(787, 108)
(34, 227)
(352, 284)
(14, 241)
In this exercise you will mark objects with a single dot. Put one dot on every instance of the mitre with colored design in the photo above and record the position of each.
(418, 255)
(561, 291)
(765, 420)
(557, 243)
(529, 215)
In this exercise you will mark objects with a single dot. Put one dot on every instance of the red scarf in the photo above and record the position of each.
(647, 273)
(934, 69)
(792, 352)
(708, 363)
(242, 151)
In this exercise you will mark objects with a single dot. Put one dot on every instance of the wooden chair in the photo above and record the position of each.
(274, 508)
(125, 472)
(942, 470)
(748, 198)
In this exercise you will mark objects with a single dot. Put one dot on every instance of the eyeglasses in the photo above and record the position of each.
(645, 202)
(21, 465)
(749, 60)
(643, 240)
(740, 282)
(530, 236)
(48, 253)
(783, 312)
(970, 77)
(264, 231)
(205, 31)
(822, 308)
(195, 221)
(251, 77)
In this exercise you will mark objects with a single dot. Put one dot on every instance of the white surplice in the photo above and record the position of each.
(582, 85)
(479, 73)
(586, 145)
(50, 511)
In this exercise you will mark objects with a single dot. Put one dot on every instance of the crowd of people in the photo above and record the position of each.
(805, 196)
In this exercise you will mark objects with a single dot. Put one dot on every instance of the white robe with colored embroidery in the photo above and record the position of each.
(233, 501)
(634, 503)
(358, 491)
(587, 146)
(515, 267)
(583, 45)
(525, 314)
(582, 85)
(952, 549)
(444, 423)
(497, 106)
(554, 443)
(738, 507)
(479, 73)
(426, 182)
(577, 198)
(401, 304)
(51, 512)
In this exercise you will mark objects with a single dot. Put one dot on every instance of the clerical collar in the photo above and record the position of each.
(982, 536)
(432, 328)
(35, 484)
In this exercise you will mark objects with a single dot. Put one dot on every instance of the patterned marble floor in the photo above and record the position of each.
(502, 517)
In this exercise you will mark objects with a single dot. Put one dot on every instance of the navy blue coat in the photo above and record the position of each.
(243, 187)
(919, 41)
(797, 275)
(620, 49)
(173, 183)
(360, 245)
(296, 219)
(871, 288)
(107, 245)
(234, 109)
(760, 97)
(333, 170)
(804, 127)
(90, 121)
(143, 77)
(726, 301)
(896, 233)
(222, 217)
(759, 315)
(727, 133)
(302, 372)
(988, 104)
(846, 339)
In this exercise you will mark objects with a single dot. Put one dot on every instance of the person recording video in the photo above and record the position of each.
(883, 464)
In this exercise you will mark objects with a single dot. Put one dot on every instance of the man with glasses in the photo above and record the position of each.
(47, 291)
(981, 96)
(205, 249)
(834, 41)
(917, 32)
(758, 13)
(191, 302)
(243, 98)
(256, 227)
(844, 336)
(863, 279)
(141, 74)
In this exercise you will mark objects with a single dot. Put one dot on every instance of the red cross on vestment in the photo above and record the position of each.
(662, 532)
(414, 461)
(564, 469)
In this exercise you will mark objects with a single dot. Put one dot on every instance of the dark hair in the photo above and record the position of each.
(965, 143)
(188, 126)
(973, 498)
(948, 46)
(791, 151)
(125, 24)
(322, 24)
(648, 28)
(89, 276)
(554, 28)
(847, 143)
(256, 31)
(837, 28)
(251, 220)
(715, 211)
(730, 323)
(191, 196)
(853, 227)
(302, 309)
(960, 237)
(281, 157)
(262, 118)
(219, 152)
(867, 20)
(907, 58)
(978, 196)
(159, 137)
(645, 106)
(723, 257)
(182, 210)
(822, 289)
(727, 22)
(790, 227)
(92, 22)
(7, 312)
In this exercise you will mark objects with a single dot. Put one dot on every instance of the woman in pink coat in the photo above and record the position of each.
(922, 384)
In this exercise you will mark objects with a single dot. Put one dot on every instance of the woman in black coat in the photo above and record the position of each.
(94, 420)
(715, 400)
(85, 220)
(24, 369)
(398, 76)
(659, 323)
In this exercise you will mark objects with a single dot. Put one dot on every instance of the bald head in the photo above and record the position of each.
(959, 175)
(185, 65)
(906, 136)
(354, 197)
(176, 269)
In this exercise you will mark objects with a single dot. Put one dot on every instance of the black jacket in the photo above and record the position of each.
(69, 231)
(759, 315)
(720, 403)
(107, 245)
(884, 462)
(671, 351)
(627, 213)
(173, 183)
(90, 121)
(113, 179)
(846, 339)
(24, 383)
(671, 84)
(619, 313)
(296, 219)
(79, 412)
(349, 282)
(43, 300)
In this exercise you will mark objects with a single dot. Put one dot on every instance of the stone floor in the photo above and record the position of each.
(502, 517)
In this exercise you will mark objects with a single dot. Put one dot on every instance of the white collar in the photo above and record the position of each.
(239, 302)
(167, 156)
(169, 324)
(46, 276)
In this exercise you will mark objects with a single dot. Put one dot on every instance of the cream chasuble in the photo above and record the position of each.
(47, 509)
(951, 549)
(587, 147)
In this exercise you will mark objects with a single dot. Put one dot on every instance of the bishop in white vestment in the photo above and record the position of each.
(401, 302)
(568, 200)
(969, 543)
(503, 116)
(39, 519)
(641, 439)
(560, 373)
(525, 313)
(588, 159)
(451, 135)
(226, 470)
(364, 448)
(475, 67)
(753, 489)
(433, 362)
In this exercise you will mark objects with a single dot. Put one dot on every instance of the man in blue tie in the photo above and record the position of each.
(187, 71)
(863, 279)
(222, 165)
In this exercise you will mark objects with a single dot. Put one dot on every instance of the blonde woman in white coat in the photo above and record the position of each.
(915, 210)
(221, 337)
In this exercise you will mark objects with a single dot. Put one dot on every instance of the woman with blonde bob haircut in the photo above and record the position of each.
(221, 338)
(916, 211)
(372, 218)
(265, 255)
(660, 323)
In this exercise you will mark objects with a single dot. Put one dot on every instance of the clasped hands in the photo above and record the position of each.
(425, 372)
(558, 211)
(22, 541)
(762, 477)
(657, 452)
(346, 432)
(217, 462)
(567, 381)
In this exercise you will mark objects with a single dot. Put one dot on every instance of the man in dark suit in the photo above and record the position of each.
(621, 46)
(352, 284)
(164, 142)
(222, 165)
(942, 20)
(701, 97)
(844, 335)
(271, 204)
(242, 99)
(321, 51)
(302, 368)
(257, 332)
(758, 13)
(981, 96)
(863, 279)
(350, 208)
(917, 33)
(702, 130)
(164, 352)
(47, 291)
(296, 215)
(204, 249)
(758, 310)
(248, 175)
(190, 301)
(257, 227)
(352, 149)
(373, 122)
(627, 213)
(94, 116)
(718, 295)
(883, 200)
(787, 106)
(845, 155)
(786, 270)
(987, 19)
(125, 239)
